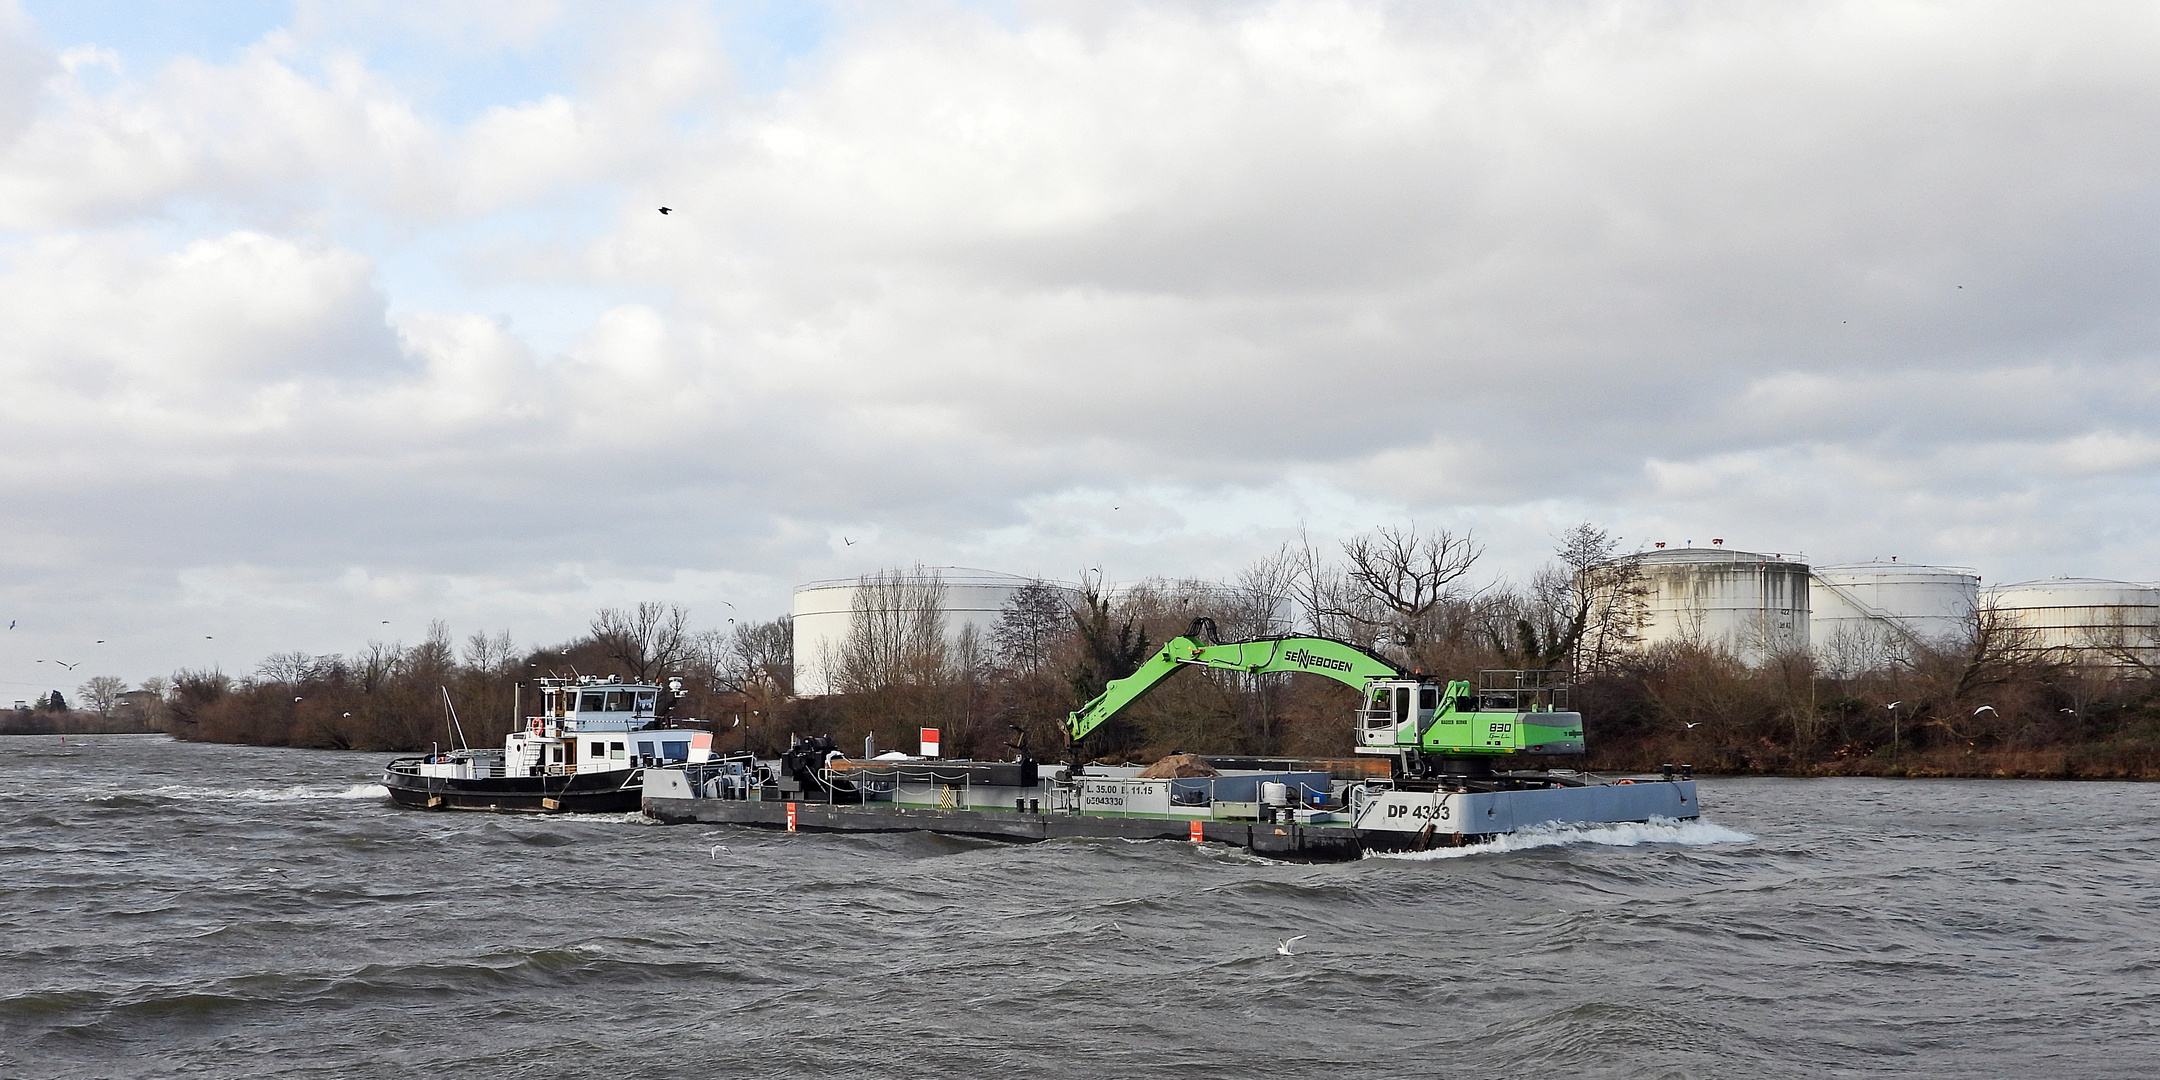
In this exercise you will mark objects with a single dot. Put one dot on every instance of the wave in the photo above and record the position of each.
(294, 793)
(1696, 833)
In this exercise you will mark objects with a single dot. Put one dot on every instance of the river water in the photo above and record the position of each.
(172, 909)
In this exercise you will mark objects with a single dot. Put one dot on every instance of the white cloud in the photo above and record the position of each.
(1139, 286)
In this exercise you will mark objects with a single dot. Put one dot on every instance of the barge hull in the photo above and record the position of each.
(604, 794)
(1318, 842)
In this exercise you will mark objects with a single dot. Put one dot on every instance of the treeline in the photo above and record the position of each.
(107, 708)
(392, 697)
(1992, 703)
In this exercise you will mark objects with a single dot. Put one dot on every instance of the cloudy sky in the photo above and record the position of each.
(320, 320)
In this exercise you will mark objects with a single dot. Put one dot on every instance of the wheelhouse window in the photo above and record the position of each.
(592, 701)
(616, 751)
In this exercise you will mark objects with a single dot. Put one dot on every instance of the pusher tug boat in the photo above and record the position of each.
(586, 753)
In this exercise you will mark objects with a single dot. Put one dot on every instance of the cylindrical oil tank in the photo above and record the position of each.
(1889, 606)
(2087, 620)
(824, 614)
(1751, 604)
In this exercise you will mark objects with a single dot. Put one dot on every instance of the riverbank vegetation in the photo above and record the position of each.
(1992, 703)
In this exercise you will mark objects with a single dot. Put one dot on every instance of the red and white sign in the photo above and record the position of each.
(791, 817)
(1198, 835)
(929, 742)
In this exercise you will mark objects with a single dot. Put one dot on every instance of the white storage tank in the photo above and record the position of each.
(1862, 613)
(2080, 619)
(824, 613)
(1751, 604)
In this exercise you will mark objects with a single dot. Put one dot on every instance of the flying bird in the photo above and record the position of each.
(11, 624)
(67, 665)
(1893, 705)
(670, 210)
(2072, 712)
(1983, 708)
(101, 641)
(847, 541)
(1694, 725)
(1282, 947)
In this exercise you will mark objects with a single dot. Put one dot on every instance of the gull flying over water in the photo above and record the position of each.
(1282, 947)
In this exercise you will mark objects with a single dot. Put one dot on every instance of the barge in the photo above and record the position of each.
(1431, 770)
(1338, 820)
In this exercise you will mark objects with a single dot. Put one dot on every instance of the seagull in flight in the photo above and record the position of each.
(670, 210)
(1694, 725)
(847, 541)
(1893, 705)
(1282, 947)
(65, 664)
(1983, 708)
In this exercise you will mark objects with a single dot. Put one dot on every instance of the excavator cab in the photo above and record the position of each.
(1396, 711)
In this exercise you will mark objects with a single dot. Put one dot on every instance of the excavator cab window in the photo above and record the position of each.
(1402, 704)
(1376, 711)
(1428, 698)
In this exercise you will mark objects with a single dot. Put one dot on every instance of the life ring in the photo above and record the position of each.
(1624, 781)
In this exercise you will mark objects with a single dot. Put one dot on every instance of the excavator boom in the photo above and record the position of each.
(1343, 662)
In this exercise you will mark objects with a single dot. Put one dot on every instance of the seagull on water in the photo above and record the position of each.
(1282, 947)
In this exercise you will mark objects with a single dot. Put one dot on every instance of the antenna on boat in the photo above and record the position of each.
(460, 728)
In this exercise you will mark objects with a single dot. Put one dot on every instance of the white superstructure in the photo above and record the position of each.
(825, 613)
(1751, 604)
(1862, 614)
(2084, 620)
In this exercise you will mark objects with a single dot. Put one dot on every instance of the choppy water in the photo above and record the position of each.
(169, 909)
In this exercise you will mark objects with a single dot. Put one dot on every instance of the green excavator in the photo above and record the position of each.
(1428, 728)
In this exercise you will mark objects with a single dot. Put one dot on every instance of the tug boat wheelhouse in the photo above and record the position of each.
(587, 752)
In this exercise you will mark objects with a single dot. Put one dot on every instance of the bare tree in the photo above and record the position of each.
(2129, 643)
(646, 640)
(1263, 598)
(750, 658)
(1034, 619)
(102, 694)
(290, 668)
(490, 655)
(896, 632)
(1396, 579)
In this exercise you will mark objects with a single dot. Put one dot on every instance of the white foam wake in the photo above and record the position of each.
(295, 793)
(1697, 833)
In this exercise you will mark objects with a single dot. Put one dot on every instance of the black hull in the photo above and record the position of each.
(591, 793)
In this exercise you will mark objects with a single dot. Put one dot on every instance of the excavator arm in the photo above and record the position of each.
(1343, 662)
(1400, 715)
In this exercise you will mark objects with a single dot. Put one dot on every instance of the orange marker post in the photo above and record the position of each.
(1196, 834)
(791, 817)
